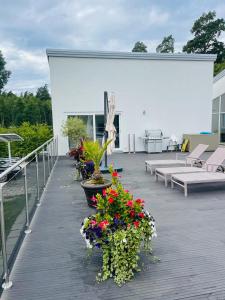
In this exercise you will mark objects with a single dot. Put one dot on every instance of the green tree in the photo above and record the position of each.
(139, 47)
(167, 45)
(206, 31)
(219, 68)
(4, 74)
(43, 93)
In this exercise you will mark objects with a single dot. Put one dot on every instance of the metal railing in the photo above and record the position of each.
(19, 197)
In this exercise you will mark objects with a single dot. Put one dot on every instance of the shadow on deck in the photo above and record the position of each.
(52, 262)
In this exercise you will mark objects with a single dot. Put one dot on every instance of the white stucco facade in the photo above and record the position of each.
(171, 92)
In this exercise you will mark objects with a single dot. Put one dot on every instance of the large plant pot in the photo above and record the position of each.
(94, 189)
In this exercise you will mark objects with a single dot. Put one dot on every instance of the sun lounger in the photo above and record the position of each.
(165, 173)
(185, 180)
(189, 159)
(211, 164)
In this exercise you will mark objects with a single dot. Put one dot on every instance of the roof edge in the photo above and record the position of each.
(219, 76)
(129, 55)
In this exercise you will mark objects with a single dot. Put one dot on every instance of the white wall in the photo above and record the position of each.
(176, 95)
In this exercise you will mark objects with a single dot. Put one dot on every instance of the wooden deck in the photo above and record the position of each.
(52, 262)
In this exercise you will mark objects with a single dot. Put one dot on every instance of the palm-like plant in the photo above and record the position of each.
(94, 151)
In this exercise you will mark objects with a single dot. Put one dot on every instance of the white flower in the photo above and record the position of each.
(124, 240)
(88, 244)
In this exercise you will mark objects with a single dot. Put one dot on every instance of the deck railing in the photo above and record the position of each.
(20, 195)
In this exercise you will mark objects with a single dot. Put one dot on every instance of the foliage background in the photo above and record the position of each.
(33, 135)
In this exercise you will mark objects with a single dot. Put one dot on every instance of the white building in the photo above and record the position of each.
(218, 106)
(171, 92)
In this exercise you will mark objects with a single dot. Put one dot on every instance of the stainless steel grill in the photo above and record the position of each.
(153, 140)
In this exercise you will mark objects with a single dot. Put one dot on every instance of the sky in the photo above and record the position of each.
(29, 27)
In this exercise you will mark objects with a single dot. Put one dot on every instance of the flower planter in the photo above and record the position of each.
(91, 190)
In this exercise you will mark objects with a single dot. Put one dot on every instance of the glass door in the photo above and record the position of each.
(88, 121)
(99, 129)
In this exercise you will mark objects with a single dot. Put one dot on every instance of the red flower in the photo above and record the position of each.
(140, 201)
(130, 203)
(113, 193)
(103, 224)
(136, 223)
(115, 174)
(110, 200)
(141, 215)
(104, 193)
(132, 213)
(117, 216)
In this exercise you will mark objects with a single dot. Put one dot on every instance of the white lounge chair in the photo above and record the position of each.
(211, 164)
(184, 180)
(189, 159)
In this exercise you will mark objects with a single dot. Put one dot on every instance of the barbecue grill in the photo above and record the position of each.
(153, 141)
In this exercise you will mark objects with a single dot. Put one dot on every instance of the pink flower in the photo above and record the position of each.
(126, 191)
(130, 203)
(93, 222)
(113, 193)
(103, 224)
(93, 198)
(104, 193)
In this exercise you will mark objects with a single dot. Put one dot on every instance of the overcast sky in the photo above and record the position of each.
(28, 27)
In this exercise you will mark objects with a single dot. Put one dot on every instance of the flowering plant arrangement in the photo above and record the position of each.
(121, 228)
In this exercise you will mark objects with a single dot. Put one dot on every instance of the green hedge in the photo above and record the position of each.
(33, 135)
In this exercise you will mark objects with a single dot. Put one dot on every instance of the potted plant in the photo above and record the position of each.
(121, 228)
(84, 167)
(93, 151)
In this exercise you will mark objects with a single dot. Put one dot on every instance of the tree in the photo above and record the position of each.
(167, 45)
(206, 31)
(4, 74)
(139, 47)
(43, 93)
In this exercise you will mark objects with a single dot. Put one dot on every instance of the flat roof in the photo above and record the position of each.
(219, 76)
(129, 55)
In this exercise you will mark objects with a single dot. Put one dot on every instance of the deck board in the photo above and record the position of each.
(52, 263)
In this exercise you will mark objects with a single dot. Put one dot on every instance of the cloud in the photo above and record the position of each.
(28, 27)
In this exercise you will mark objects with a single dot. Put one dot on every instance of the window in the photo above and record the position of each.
(218, 116)
(95, 127)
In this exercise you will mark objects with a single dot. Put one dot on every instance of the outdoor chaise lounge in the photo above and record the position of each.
(184, 180)
(211, 164)
(189, 159)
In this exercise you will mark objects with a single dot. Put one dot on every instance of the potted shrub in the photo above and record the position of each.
(93, 151)
(120, 228)
(84, 167)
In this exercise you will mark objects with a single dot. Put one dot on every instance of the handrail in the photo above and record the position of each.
(8, 170)
(51, 145)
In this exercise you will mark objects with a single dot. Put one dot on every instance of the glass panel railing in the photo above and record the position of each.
(20, 194)
(14, 204)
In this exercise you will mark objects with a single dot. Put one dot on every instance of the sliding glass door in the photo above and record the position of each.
(95, 127)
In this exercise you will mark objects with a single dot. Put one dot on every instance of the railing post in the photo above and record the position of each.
(7, 283)
(51, 147)
(48, 160)
(43, 157)
(37, 178)
(28, 230)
